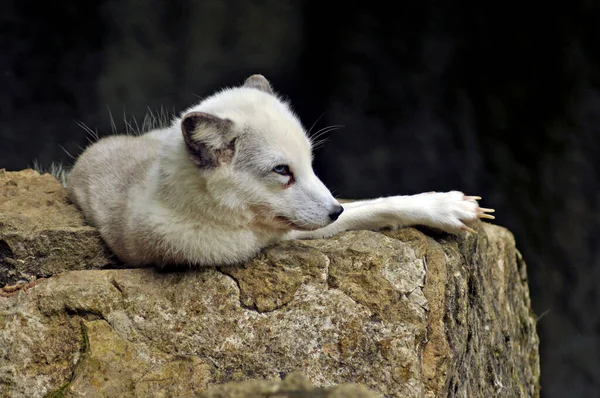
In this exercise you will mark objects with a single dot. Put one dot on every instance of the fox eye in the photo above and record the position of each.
(282, 169)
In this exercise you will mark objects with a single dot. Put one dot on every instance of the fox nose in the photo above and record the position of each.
(337, 210)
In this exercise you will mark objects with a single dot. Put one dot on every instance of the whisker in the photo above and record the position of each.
(91, 132)
(128, 127)
(313, 125)
(67, 152)
(320, 143)
(113, 125)
(139, 132)
(326, 130)
(316, 142)
(146, 126)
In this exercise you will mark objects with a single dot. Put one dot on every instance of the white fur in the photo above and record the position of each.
(154, 204)
(448, 211)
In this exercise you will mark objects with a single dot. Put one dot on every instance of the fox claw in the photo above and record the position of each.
(468, 229)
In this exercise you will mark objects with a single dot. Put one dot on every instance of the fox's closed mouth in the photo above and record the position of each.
(296, 226)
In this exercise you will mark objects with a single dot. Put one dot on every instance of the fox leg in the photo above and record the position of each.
(449, 211)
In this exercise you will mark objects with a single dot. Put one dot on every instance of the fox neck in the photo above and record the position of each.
(184, 188)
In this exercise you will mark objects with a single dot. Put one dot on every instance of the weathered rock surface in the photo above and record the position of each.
(41, 233)
(295, 385)
(403, 313)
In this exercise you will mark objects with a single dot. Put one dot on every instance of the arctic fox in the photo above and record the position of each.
(229, 177)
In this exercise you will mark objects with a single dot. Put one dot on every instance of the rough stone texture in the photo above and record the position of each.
(41, 232)
(295, 385)
(407, 313)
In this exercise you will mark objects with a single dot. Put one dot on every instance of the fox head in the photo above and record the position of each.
(254, 152)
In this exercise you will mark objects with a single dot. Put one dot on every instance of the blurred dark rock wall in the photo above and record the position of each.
(495, 100)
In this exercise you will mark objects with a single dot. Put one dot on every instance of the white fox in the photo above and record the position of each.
(232, 175)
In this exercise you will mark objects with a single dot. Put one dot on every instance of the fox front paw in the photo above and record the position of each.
(454, 211)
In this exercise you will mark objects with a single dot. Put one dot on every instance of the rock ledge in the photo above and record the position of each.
(408, 313)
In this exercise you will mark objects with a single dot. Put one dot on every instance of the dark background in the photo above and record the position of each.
(490, 98)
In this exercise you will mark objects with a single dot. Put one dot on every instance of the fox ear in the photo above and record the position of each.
(208, 139)
(259, 82)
